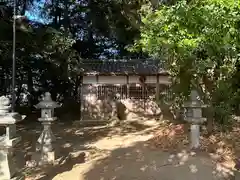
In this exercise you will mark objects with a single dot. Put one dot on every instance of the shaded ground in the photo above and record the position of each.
(121, 152)
(141, 163)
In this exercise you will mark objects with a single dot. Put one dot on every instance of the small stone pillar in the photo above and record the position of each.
(45, 141)
(10, 161)
(193, 115)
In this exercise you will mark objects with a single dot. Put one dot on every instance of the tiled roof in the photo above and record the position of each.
(144, 67)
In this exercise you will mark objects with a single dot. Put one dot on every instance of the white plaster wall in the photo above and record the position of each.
(164, 80)
(123, 79)
(89, 79)
(112, 80)
(133, 79)
(151, 79)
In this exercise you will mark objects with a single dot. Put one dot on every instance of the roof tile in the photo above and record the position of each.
(122, 67)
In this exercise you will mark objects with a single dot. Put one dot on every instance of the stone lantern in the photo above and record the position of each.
(10, 162)
(46, 139)
(193, 115)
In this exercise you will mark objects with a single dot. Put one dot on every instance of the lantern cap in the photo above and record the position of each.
(47, 102)
(4, 105)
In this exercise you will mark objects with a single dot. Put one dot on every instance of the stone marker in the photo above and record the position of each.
(45, 141)
(194, 116)
(10, 161)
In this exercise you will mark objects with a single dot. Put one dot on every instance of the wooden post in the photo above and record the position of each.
(128, 87)
(157, 89)
(98, 88)
(142, 81)
(81, 98)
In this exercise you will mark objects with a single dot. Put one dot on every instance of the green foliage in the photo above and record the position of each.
(48, 55)
(38, 50)
(199, 44)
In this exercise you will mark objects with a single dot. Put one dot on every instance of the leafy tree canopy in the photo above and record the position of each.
(199, 44)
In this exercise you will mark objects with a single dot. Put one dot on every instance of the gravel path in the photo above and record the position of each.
(128, 156)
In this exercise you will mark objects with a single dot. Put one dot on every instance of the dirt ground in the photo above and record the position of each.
(120, 152)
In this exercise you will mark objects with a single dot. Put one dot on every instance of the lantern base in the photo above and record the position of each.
(39, 158)
(47, 137)
(47, 158)
(11, 162)
(6, 143)
(195, 136)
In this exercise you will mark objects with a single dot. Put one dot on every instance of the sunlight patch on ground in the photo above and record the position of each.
(114, 142)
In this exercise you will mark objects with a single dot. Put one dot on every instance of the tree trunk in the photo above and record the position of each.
(203, 90)
(30, 88)
(24, 7)
(209, 85)
(57, 13)
(65, 23)
(77, 85)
